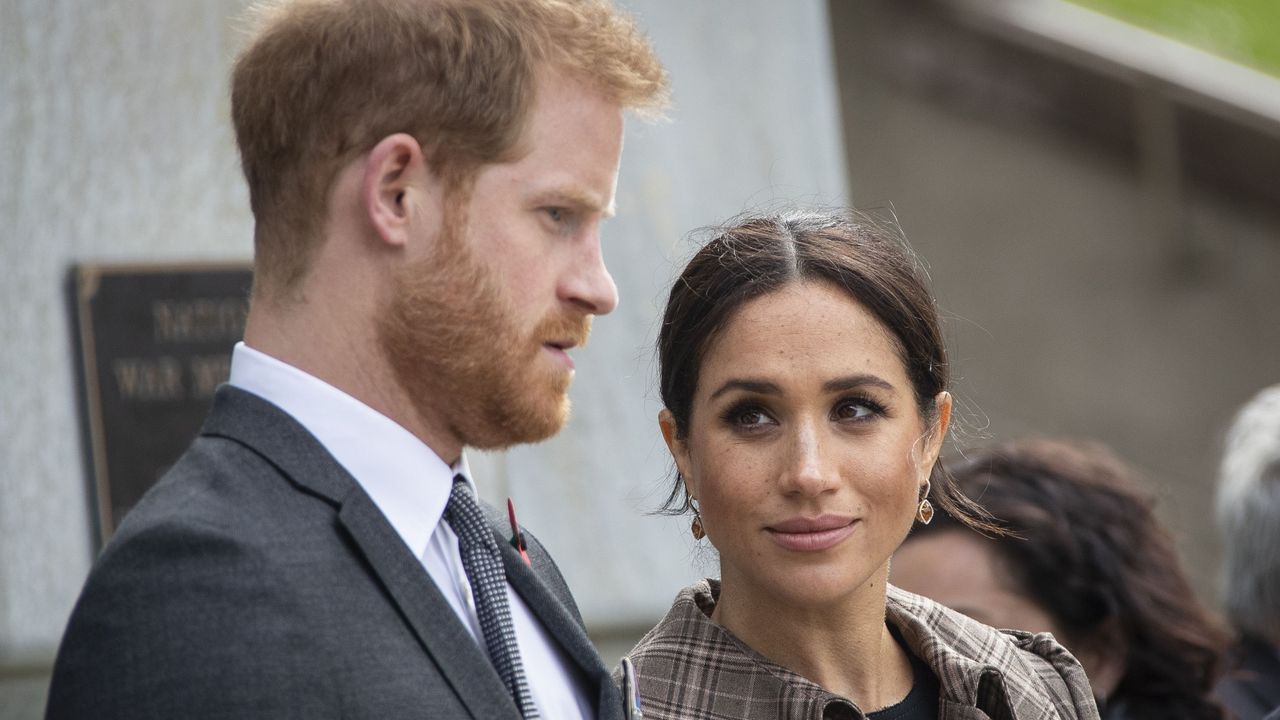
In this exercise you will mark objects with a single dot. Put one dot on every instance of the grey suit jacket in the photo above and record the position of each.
(258, 580)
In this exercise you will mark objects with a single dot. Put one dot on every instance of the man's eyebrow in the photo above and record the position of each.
(850, 382)
(763, 387)
(572, 197)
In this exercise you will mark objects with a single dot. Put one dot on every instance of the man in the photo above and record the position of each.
(1249, 521)
(428, 179)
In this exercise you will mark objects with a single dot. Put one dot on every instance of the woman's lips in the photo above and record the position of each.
(812, 534)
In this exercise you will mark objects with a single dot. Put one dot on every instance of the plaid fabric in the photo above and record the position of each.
(688, 667)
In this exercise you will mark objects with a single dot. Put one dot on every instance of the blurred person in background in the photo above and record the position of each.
(1249, 521)
(1086, 560)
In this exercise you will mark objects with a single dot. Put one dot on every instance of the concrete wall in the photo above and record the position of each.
(117, 148)
(1077, 307)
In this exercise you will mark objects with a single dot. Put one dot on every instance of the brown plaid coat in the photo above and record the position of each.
(688, 667)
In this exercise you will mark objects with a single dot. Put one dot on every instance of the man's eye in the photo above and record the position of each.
(556, 214)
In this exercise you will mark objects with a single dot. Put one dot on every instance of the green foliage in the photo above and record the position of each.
(1246, 31)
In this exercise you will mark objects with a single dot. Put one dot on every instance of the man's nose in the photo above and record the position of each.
(588, 283)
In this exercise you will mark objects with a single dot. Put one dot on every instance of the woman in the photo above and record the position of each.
(1086, 560)
(805, 388)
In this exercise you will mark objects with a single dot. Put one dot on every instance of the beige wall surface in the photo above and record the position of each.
(117, 148)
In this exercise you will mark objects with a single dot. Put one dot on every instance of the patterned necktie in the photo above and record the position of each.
(483, 563)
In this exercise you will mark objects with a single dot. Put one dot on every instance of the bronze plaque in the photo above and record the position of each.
(154, 343)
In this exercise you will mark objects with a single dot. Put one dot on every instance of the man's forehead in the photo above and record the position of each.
(570, 148)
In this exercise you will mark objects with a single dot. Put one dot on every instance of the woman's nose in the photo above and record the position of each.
(808, 470)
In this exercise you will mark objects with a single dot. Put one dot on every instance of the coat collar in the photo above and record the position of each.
(950, 646)
(273, 434)
(982, 672)
(558, 615)
(1002, 673)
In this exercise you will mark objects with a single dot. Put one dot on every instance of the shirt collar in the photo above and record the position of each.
(408, 482)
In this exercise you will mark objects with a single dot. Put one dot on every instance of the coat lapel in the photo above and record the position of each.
(564, 627)
(277, 437)
(426, 611)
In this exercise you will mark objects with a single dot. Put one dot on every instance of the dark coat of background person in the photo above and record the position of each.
(259, 580)
(1251, 686)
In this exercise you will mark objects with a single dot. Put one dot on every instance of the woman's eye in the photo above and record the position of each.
(748, 418)
(855, 410)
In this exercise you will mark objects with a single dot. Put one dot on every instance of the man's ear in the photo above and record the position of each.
(395, 171)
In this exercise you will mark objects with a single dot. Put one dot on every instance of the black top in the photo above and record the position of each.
(919, 704)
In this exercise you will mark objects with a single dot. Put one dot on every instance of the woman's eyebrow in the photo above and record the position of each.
(763, 387)
(849, 382)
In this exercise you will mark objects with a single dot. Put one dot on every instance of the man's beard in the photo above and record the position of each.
(457, 352)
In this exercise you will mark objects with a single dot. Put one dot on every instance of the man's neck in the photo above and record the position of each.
(345, 355)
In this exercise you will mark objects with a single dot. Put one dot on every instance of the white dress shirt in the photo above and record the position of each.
(410, 484)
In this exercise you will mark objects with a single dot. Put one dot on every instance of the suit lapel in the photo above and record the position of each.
(277, 437)
(564, 627)
(426, 611)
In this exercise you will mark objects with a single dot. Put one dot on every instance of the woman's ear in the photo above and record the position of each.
(679, 450)
(936, 435)
(395, 170)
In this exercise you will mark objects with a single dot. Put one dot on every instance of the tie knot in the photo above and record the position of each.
(465, 517)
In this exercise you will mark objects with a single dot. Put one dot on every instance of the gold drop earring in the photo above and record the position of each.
(695, 527)
(924, 513)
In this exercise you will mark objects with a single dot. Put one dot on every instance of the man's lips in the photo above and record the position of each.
(811, 534)
(560, 348)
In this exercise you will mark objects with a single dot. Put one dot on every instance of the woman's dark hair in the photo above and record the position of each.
(755, 255)
(1084, 544)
